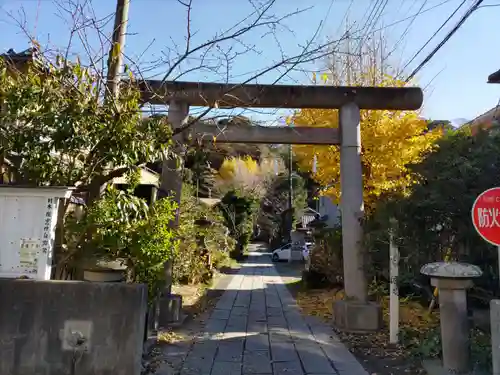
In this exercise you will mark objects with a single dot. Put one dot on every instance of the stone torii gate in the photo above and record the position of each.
(356, 313)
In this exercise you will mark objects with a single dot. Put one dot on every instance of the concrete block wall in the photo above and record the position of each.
(35, 314)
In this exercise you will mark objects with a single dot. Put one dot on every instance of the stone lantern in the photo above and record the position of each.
(452, 280)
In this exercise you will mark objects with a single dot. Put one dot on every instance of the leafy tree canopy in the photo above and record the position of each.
(390, 141)
(433, 217)
(56, 129)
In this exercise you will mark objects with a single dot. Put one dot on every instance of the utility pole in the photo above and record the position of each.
(290, 179)
(115, 59)
(289, 216)
(171, 186)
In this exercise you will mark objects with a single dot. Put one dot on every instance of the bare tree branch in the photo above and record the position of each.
(216, 56)
(227, 35)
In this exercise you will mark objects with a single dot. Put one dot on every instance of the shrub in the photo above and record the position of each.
(200, 249)
(124, 228)
(326, 257)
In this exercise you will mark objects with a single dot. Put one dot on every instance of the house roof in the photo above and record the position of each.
(309, 210)
(148, 177)
(485, 120)
(210, 202)
(494, 77)
(20, 60)
(26, 55)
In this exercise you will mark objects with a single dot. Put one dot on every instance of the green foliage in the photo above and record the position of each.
(271, 221)
(299, 198)
(275, 202)
(481, 350)
(55, 129)
(326, 256)
(434, 217)
(196, 257)
(153, 244)
(426, 343)
(422, 343)
(123, 227)
(200, 174)
(239, 213)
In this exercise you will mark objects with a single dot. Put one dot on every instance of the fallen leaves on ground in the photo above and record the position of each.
(196, 298)
(170, 337)
(190, 293)
(373, 349)
(196, 302)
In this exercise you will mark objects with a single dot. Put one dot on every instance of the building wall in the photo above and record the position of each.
(327, 207)
(34, 315)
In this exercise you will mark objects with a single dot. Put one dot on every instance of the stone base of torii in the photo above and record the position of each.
(355, 313)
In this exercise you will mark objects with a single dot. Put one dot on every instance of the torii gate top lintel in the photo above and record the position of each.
(229, 95)
(349, 101)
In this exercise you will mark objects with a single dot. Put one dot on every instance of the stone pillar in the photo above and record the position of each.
(171, 185)
(452, 280)
(171, 174)
(495, 335)
(454, 323)
(351, 179)
(355, 314)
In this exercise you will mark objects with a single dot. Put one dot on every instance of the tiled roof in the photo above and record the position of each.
(26, 55)
(485, 120)
(494, 77)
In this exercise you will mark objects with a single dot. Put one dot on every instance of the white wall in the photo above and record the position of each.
(327, 207)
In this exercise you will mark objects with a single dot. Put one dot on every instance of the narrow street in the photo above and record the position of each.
(257, 328)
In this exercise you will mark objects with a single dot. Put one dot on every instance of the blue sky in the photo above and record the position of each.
(454, 80)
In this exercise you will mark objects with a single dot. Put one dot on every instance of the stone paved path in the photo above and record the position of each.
(256, 328)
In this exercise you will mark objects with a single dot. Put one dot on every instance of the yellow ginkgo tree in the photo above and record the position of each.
(242, 182)
(246, 175)
(390, 141)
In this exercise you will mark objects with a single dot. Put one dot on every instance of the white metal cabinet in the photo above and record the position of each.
(27, 230)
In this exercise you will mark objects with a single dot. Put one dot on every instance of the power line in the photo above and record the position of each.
(433, 35)
(446, 38)
(373, 22)
(424, 3)
(326, 17)
(410, 17)
(348, 35)
(372, 32)
(374, 14)
(374, 8)
(369, 15)
(376, 17)
(370, 24)
(346, 14)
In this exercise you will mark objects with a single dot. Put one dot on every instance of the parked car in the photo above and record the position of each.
(282, 253)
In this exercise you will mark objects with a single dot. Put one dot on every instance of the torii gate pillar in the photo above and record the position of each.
(169, 310)
(352, 209)
(355, 313)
